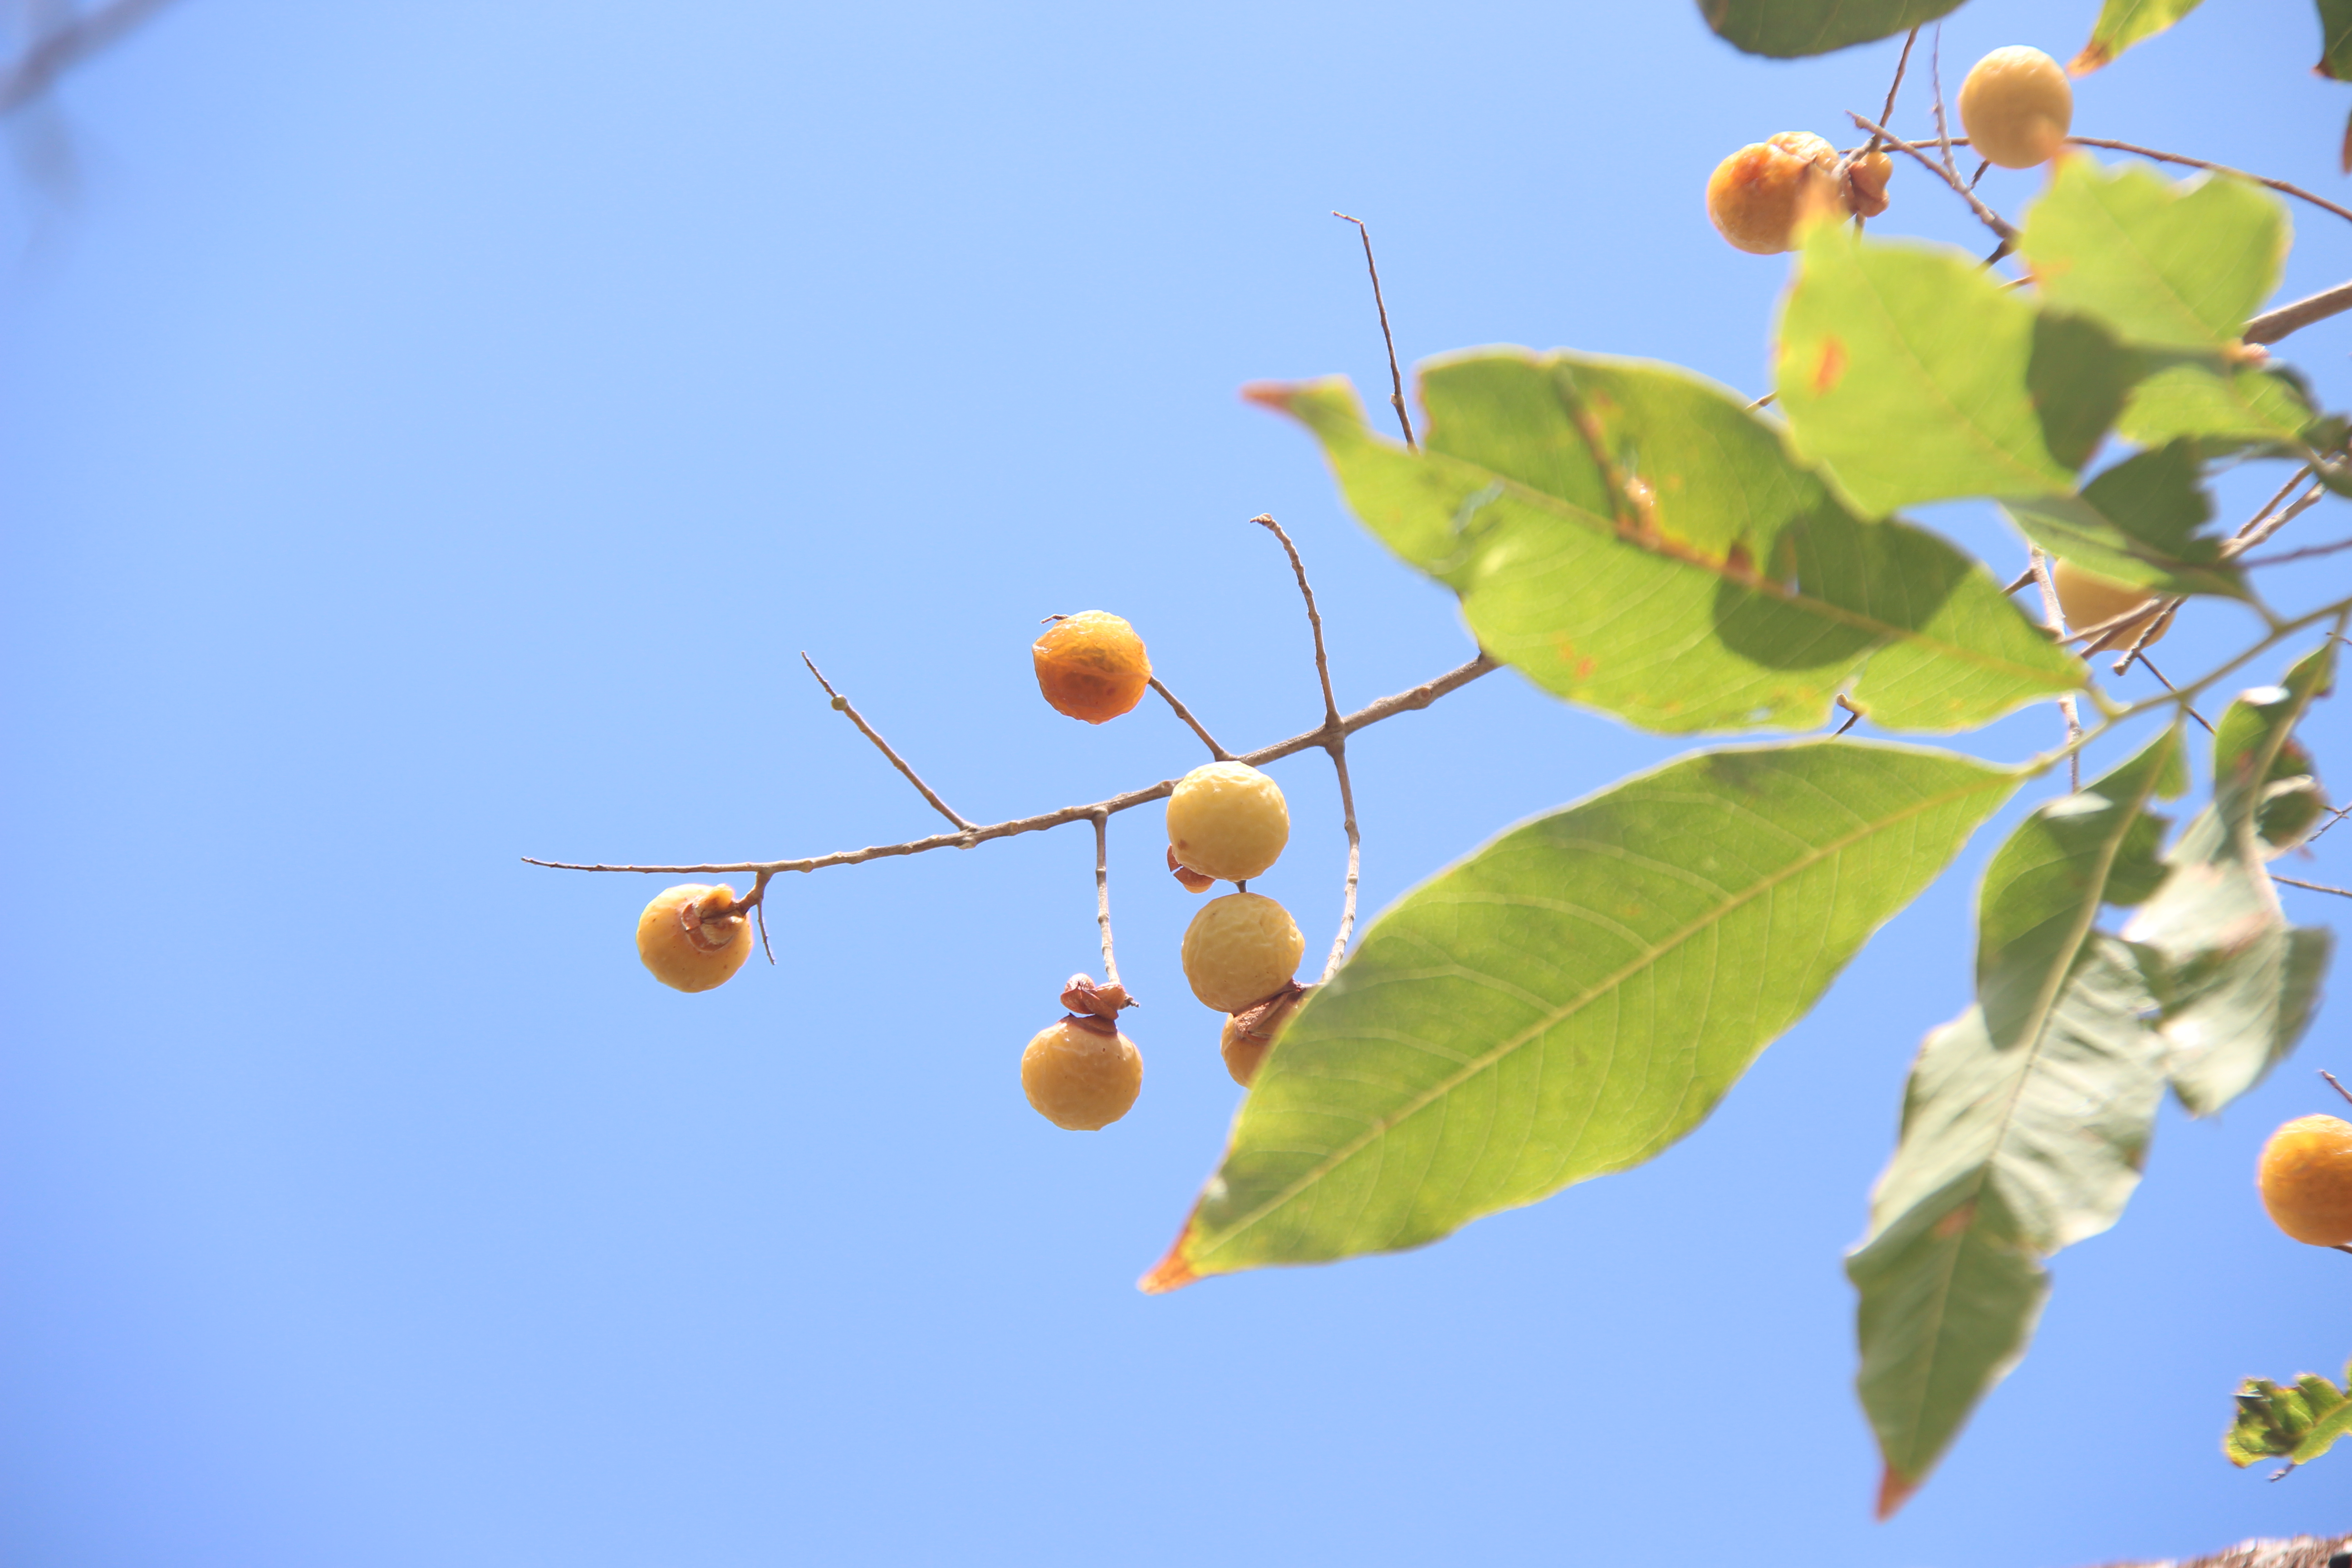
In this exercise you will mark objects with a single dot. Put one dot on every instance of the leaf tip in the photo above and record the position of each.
(1274, 394)
(2095, 55)
(1894, 1489)
(1172, 1272)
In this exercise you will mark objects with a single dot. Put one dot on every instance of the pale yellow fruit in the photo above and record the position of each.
(1227, 820)
(2017, 106)
(1248, 1036)
(1239, 950)
(689, 941)
(1079, 1079)
(2091, 600)
(2305, 1176)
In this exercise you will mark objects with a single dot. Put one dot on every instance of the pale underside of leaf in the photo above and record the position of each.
(1574, 997)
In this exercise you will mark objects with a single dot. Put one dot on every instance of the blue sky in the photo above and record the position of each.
(429, 432)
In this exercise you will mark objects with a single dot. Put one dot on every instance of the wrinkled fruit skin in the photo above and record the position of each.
(687, 943)
(2305, 1176)
(1091, 666)
(1079, 1079)
(2089, 600)
(1759, 195)
(2017, 106)
(1866, 184)
(1227, 820)
(1239, 950)
(1248, 1036)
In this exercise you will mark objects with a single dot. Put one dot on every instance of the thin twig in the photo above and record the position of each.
(1219, 752)
(2024, 580)
(759, 902)
(1102, 893)
(1396, 377)
(49, 56)
(2336, 817)
(1886, 114)
(2277, 499)
(2279, 186)
(2338, 1088)
(2314, 887)
(2273, 325)
(2150, 630)
(1407, 701)
(896, 760)
(2057, 618)
(1853, 712)
(2306, 553)
(1764, 401)
(1985, 215)
(2262, 530)
(2188, 708)
(1943, 130)
(1336, 746)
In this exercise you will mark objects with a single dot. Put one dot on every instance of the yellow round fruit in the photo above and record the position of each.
(2305, 1176)
(1079, 1078)
(692, 937)
(1248, 1036)
(2090, 600)
(2016, 106)
(1760, 196)
(1091, 666)
(1239, 950)
(1227, 820)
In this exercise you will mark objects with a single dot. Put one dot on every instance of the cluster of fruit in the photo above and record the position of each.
(1227, 822)
(2016, 106)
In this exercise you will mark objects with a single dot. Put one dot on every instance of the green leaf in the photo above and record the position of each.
(2163, 264)
(1788, 28)
(1706, 580)
(2298, 1422)
(2235, 981)
(1574, 996)
(2137, 522)
(2122, 24)
(2335, 39)
(2025, 1122)
(1916, 376)
(2223, 408)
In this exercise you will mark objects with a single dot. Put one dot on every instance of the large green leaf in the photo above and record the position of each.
(1788, 28)
(2025, 1121)
(2164, 264)
(2222, 406)
(2335, 39)
(1916, 376)
(1574, 996)
(2236, 983)
(1703, 580)
(2137, 522)
(2122, 24)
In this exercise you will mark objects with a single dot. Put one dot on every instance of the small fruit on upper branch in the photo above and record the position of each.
(1760, 196)
(1091, 666)
(693, 936)
(1239, 950)
(1227, 820)
(1248, 1036)
(2090, 600)
(2017, 106)
(2306, 1177)
(1866, 184)
(1081, 1074)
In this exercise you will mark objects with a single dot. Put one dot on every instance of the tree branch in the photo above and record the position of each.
(1102, 894)
(1219, 752)
(1985, 215)
(52, 54)
(1396, 378)
(2273, 325)
(1371, 713)
(872, 734)
(1336, 745)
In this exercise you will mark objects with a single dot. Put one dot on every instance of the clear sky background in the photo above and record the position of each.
(428, 431)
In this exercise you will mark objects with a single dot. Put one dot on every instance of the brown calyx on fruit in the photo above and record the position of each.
(1249, 1033)
(711, 921)
(1085, 999)
(1193, 882)
(1864, 183)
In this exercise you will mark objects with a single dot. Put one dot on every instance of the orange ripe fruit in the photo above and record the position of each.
(2017, 106)
(1248, 1036)
(2306, 1177)
(1760, 196)
(1091, 666)
(693, 938)
(1081, 1076)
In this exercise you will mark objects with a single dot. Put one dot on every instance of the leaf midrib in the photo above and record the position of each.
(1610, 983)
